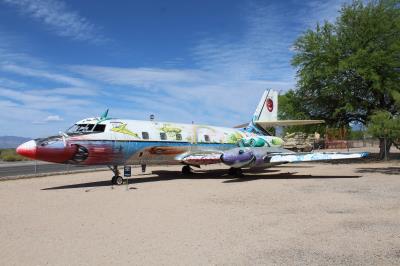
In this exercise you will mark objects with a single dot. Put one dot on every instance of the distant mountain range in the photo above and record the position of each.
(11, 141)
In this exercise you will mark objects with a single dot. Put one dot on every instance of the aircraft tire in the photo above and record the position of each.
(117, 180)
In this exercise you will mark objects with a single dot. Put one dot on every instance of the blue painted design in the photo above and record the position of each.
(119, 152)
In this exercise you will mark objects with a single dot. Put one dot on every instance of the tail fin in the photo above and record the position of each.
(267, 109)
(266, 115)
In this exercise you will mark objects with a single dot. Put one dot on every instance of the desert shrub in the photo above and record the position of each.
(9, 155)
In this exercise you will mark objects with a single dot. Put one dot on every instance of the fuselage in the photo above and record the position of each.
(118, 141)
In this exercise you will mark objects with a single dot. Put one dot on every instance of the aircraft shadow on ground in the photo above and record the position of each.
(382, 170)
(372, 157)
(158, 176)
(293, 165)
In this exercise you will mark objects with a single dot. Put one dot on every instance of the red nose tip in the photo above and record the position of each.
(27, 149)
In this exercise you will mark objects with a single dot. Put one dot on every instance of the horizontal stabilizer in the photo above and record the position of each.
(242, 125)
(315, 156)
(266, 114)
(266, 124)
(281, 123)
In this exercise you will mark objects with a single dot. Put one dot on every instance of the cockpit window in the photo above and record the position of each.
(99, 128)
(86, 128)
(78, 128)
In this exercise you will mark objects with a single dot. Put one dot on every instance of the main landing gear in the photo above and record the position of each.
(187, 170)
(116, 179)
(235, 172)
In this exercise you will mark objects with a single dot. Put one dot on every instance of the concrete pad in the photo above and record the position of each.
(303, 214)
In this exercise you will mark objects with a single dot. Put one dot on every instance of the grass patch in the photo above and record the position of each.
(10, 155)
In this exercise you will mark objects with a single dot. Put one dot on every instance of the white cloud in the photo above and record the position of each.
(58, 17)
(263, 49)
(230, 72)
(222, 88)
(67, 91)
(41, 102)
(25, 113)
(28, 96)
(143, 77)
(321, 11)
(11, 83)
(183, 95)
(53, 118)
(31, 72)
(259, 52)
(7, 103)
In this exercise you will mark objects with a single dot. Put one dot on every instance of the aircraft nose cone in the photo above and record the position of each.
(27, 149)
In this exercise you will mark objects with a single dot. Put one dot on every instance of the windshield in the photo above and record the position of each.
(86, 128)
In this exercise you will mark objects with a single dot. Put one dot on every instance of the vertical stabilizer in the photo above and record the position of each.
(267, 109)
(266, 115)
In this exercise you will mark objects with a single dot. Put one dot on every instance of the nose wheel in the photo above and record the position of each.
(116, 179)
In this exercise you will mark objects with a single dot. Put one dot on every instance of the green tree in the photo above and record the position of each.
(384, 125)
(290, 108)
(350, 69)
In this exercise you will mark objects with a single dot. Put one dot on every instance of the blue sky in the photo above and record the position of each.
(184, 61)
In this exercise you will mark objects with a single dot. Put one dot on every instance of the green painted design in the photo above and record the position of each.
(170, 130)
(167, 128)
(206, 127)
(252, 142)
(277, 141)
(123, 130)
(234, 137)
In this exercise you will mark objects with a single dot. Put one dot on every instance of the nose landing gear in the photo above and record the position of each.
(117, 180)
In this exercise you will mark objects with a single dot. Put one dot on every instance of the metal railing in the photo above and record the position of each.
(349, 144)
(36, 168)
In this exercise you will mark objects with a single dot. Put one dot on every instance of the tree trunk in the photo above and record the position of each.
(382, 153)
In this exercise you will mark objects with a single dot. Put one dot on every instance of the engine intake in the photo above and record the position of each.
(239, 157)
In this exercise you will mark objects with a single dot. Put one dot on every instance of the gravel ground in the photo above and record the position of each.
(299, 214)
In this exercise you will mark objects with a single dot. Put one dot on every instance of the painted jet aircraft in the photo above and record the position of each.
(116, 142)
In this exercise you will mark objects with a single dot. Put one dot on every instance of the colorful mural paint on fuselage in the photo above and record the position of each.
(118, 141)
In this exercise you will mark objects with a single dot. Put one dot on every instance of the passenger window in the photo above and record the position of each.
(206, 138)
(163, 136)
(145, 135)
(99, 128)
(178, 136)
(116, 124)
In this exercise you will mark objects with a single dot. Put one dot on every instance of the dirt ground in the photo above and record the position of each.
(298, 214)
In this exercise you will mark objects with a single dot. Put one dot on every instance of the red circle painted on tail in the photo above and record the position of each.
(270, 104)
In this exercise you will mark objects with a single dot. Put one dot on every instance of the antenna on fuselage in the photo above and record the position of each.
(104, 116)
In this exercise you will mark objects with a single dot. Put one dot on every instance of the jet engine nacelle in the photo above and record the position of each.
(239, 157)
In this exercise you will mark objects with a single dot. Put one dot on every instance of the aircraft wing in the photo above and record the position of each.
(262, 157)
(314, 156)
